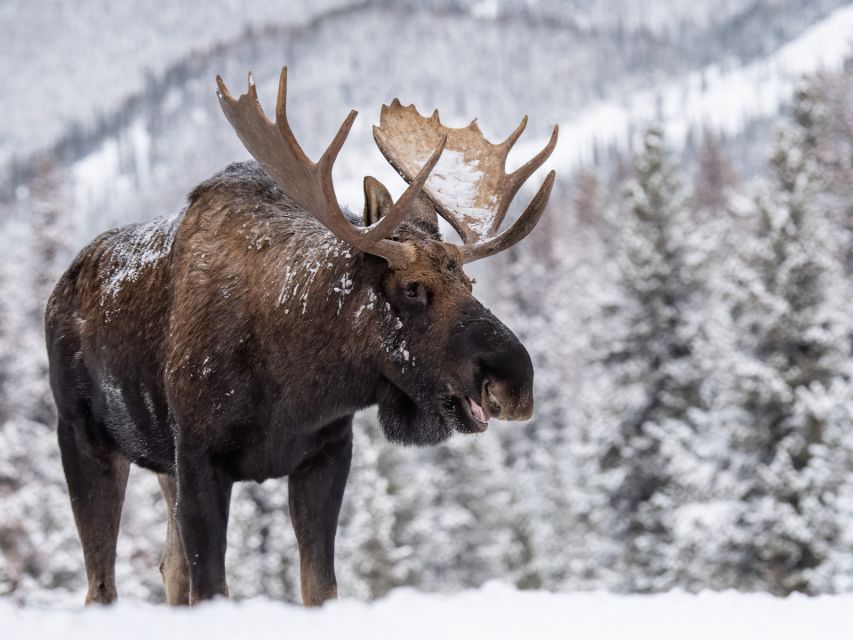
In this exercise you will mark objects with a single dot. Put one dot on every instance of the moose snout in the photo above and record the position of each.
(502, 366)
(508, 383)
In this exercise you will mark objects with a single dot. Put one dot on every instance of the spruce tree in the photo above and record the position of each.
(364, 549)
(715, 178)
(547, 290)
(40, 547)
(648, 357)
(790, 391)
(263, 558)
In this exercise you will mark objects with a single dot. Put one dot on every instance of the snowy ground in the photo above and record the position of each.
(494, 612)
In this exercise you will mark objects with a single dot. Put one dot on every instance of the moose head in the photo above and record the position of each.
(460, 365)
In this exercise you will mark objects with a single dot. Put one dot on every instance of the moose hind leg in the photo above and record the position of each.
(96, 478)
(173, 565)
(315, 492)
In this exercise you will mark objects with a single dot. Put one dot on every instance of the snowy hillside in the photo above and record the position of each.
(495, 612)
(133, 153)
(595, 64)
(65, 63)
(84, 60)
(719, 98)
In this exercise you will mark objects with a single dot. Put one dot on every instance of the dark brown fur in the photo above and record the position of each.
(235, 342)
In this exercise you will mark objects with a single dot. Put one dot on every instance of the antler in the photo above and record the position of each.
(470, 188)
(308, 183)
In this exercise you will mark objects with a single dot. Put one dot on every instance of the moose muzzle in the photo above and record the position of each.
(502, 385)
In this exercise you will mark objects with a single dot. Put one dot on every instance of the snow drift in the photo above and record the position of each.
(494, 612)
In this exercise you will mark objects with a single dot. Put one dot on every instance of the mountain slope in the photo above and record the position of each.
(601, 81)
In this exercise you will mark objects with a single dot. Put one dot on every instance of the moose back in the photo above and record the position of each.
(236, 340)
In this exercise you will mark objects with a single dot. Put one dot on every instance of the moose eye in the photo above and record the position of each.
(415, 295)
(413, 289)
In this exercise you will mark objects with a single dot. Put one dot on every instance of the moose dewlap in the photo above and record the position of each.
(236, 340)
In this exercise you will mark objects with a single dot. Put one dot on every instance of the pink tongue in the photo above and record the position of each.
(478, 412)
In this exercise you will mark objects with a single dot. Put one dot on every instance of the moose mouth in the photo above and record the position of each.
(468, 416)
(406, 421)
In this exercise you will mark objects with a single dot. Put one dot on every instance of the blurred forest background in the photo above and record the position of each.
(686, 299)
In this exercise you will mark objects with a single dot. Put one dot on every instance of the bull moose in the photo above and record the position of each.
(236, 340)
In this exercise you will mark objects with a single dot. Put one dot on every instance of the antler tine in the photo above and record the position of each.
(513, 137)
(331, 153)
(517, 178)
(222, 90)
(253, 92)
(307, 183)
(521, 174)
(518, 230)
(281, 118)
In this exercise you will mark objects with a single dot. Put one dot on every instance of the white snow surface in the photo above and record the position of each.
(495, 611)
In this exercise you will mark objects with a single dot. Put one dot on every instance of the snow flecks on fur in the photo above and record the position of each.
(397, 347)
(139, 248)
(368, 305)
(258, 234)
(330, 254)
(343, 290)
(393, 340)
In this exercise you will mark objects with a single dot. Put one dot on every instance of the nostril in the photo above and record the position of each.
(506, 403)
(525, 409)
(494, 403)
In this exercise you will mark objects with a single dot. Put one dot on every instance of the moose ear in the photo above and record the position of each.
(377, 200)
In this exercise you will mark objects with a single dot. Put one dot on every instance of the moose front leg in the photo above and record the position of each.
(204, 494)
(315, 494)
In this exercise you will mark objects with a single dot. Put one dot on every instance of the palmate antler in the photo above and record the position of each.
(470, 187)
(309, 184)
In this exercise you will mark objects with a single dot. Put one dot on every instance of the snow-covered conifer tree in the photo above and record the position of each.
(262, 559)
(364, 548)
(650, 370)
(789, 398)
(715, 178)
